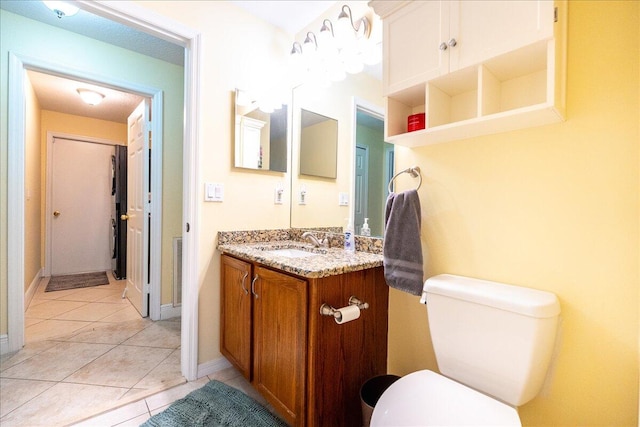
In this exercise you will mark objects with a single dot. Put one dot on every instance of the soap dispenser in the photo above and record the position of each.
(349, 239)
(365, 230)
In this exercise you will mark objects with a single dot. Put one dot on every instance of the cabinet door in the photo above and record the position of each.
(485, 29)
(412, 37)
(280, 342)
(235, 316)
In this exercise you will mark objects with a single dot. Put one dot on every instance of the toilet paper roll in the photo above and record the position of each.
(348, 314)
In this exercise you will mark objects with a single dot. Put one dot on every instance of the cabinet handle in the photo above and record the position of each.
(253, 287)
(443, 46)
(453, 42)
(246, 292)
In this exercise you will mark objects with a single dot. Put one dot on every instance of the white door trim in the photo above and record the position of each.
(144, 19)
(51, 135)
(373, 110)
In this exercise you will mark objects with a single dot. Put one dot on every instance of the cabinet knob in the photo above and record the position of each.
(443, 46)
(453, 42)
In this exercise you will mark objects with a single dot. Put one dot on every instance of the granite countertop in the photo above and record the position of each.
(323, 263)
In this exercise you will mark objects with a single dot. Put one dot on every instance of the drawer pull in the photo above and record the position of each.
(253, 287)
(246, 291)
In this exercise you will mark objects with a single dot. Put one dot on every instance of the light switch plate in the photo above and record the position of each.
(213, 192)
(343, 199)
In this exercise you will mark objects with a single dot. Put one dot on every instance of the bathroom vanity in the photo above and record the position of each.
(305, 364)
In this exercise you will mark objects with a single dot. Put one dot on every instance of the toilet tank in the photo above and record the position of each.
(493, 337)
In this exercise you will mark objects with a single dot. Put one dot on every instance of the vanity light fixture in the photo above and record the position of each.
(61, 8)
(90, 97)
(337, 50)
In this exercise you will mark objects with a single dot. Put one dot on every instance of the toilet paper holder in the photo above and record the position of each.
(327, 310)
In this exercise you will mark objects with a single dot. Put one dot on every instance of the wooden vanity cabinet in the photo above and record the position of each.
(280, 341)
(235, 313)
(308, 367)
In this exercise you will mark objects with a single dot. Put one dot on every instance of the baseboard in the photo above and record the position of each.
(4, 344)
(213, 366)
(168, 311)
(31, 290)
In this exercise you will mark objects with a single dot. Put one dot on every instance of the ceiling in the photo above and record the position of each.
(59, 94)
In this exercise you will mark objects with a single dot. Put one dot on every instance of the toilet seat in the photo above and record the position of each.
(426, 398)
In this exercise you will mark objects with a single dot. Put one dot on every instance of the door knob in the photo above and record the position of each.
(124, 217)
(56, 213)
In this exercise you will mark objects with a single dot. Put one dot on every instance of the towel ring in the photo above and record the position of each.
(413, 171)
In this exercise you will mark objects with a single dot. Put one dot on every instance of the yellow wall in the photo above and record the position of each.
(554, 208)
(53, 121)
(34, 200)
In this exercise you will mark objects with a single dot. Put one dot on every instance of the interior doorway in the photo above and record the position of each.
(373, 167)
(158, 26)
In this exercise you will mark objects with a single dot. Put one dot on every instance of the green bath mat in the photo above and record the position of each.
(215, 404)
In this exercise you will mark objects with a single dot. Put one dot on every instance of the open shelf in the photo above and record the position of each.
(511, 91)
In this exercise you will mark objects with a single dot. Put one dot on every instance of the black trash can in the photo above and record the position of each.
(371, 391)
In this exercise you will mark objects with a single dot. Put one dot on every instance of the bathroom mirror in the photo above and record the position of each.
(318, 145)
(356, 192)
(260, 137)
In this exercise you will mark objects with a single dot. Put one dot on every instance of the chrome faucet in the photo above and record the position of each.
(313, 239)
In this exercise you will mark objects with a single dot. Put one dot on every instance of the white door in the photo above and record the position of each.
(137, 217)
(80, 207)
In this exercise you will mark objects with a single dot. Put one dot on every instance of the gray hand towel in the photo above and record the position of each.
(402, 250)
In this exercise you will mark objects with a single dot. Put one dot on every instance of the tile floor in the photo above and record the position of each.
(87, 351)
(138, 412)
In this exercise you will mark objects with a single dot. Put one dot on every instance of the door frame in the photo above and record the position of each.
(51, 135)
(146, 20)
(360, 104)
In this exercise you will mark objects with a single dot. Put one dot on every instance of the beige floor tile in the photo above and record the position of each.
(92, 294)
(165, 373)
(115, 298)
(57, 362)
(109, 333)
(91, 312)
(50, 329)
(62, 404)
(117, 416)
(123, 315)
(135, 422)
(16, 392)
(30, 322)
(169, 396)
(164, 334)
(123, 366)
(52, 309)
(28, 351)
(225, 375)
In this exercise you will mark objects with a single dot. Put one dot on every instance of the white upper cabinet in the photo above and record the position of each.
(479, 30)
(411, 39)
(474, 67)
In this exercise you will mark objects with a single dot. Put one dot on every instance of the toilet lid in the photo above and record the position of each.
(425, 398)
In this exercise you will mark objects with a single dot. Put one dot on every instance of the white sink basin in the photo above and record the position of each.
(291, 253)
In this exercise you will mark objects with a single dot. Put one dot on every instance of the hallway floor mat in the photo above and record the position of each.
(74, 281)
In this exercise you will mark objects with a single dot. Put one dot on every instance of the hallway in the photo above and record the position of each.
(87, 350)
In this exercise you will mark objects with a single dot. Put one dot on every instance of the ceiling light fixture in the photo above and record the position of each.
(90, 97)
(337, 50)
(61, 8)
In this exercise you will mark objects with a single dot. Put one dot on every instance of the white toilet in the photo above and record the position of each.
(493, 344)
